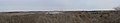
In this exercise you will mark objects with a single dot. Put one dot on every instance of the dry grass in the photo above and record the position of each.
(67, 17)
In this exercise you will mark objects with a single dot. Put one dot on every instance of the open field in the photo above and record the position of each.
(61, 17)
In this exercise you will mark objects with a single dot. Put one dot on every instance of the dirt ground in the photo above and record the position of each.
(63, 17)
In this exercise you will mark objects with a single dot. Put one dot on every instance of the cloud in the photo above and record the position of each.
(56, 4)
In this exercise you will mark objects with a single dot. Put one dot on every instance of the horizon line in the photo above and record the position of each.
(60, 10)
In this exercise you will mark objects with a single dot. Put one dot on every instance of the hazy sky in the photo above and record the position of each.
(57, 4)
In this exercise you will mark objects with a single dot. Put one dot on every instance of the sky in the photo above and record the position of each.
(6, 5)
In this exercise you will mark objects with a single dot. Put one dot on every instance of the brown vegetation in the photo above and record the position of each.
(64, 17)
